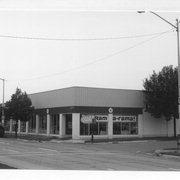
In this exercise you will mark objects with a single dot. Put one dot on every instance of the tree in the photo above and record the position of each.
(19, 107)
(161, 92)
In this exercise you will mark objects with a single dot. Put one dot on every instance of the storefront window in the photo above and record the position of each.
(94, 128)
(125, 128)
(23, 126)
(84, 129)
(54, 124)
(32, 124)
(116, 128)
(134, 128)
(68, 124)
(99, 127)
(125, 125)
(42, 124)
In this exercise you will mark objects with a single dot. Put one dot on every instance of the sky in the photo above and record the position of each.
(48, 45)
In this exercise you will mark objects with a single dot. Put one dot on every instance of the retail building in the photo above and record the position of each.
(78, 111)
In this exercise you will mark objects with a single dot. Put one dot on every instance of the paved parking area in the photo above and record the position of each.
(123, 156)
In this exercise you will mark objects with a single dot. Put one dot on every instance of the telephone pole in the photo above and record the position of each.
(3, 116)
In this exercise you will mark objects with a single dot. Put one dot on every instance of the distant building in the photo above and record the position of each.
(108, 113)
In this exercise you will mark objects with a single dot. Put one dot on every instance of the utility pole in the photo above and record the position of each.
(3, 116)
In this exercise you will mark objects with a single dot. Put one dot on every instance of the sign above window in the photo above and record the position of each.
(124, 118)
(87, 119)
(101, 118)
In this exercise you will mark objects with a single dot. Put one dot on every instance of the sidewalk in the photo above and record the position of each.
(40, 138)
(116, 140)
(30, 137)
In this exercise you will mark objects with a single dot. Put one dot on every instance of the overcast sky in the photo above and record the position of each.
(91, 44)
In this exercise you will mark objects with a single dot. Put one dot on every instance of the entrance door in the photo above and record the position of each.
(68, 124)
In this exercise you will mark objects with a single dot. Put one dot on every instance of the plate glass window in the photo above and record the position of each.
(125, 125)
(97, 126)
(54, 124)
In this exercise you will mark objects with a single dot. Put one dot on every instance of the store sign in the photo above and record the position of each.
(124, 118)
(110, 110)
(101, 118)
(87, 119)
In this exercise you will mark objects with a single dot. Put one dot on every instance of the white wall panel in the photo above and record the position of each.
(156, 127)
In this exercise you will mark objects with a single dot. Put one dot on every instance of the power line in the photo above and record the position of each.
(96, 61)
(80, 39)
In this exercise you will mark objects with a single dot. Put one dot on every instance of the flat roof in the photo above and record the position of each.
(85, 87)
(87, 96)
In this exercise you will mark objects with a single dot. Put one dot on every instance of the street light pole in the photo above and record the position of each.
(178, 52)
(3, 116)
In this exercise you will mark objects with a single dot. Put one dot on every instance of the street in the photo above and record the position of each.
(124, 156)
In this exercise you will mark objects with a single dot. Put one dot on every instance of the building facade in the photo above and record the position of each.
(79, 111)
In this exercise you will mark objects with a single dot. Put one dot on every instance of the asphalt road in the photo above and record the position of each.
(124, 156)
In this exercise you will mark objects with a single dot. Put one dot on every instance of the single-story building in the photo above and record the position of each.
(107, 113)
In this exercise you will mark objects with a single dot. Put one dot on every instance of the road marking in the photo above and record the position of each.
(48, 149)
(103, 143)
(4, 143)
(38, 152)
(10, 150)
(139, 141)
(25, 155)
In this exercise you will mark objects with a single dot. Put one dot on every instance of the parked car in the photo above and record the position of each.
(1, 131)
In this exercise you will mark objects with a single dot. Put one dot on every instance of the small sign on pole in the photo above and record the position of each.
(110, 110)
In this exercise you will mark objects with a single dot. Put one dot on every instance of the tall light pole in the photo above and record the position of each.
(178, 52)
(3, 117)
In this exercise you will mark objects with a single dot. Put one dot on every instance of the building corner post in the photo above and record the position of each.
(48, 122)
(140, 125)
(27, 127)
(75, 126)
(37, 123)
(110, 125)
(19, 126)
(61, 125)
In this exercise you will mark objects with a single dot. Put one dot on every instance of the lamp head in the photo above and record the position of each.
(141, 11)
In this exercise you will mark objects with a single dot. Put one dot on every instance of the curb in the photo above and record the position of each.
(69, 141)
(170, 156)
(163, 153)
